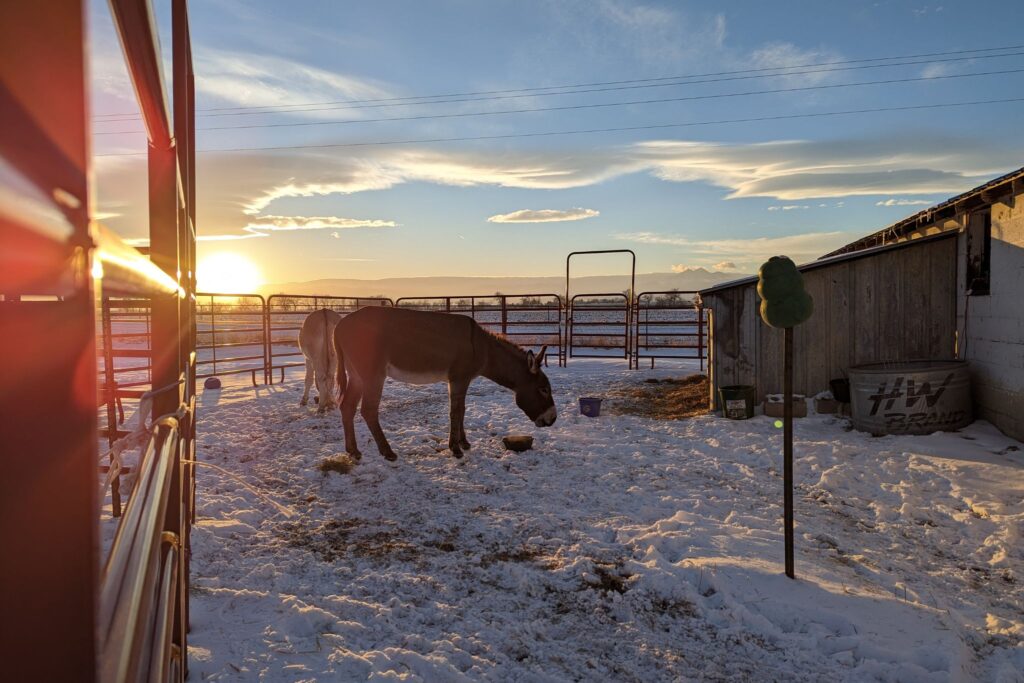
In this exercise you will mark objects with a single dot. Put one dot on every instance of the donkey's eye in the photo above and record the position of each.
(545, 392)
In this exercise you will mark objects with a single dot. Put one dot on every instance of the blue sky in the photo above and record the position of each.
(722, 196)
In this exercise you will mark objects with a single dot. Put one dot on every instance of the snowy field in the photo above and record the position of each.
(620, 548)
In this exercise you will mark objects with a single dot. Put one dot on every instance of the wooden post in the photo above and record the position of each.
(787, 451)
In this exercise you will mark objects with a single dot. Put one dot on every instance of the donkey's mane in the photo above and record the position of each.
(504, 342)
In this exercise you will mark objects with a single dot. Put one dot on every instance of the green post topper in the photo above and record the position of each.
(785, 303)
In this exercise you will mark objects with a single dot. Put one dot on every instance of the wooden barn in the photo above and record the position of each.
(947, 282)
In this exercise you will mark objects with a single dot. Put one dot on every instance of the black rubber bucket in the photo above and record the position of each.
(840, 390)
(737, 401)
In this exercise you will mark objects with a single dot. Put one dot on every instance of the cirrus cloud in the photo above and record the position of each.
(747, 253)
(903, 202)
(544, 215)
(240, 188)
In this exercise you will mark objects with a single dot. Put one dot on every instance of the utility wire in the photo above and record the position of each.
(537, 92)
(782, 117)
(602, 105)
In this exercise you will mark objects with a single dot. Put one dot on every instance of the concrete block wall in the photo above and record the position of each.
(992, 326)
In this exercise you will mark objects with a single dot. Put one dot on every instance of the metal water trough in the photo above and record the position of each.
(911, 397)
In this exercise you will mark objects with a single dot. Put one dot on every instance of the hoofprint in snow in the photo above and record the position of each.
(620, 548)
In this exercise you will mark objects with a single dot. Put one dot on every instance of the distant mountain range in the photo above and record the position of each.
(690, 279)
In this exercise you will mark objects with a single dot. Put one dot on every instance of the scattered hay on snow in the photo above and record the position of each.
(667, 399)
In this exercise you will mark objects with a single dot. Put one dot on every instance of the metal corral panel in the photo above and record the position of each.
(913, 397)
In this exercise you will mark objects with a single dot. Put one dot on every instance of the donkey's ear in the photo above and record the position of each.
(540, 356)
(531, 362)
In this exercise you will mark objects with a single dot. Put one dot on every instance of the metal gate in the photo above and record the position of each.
(599, 326)
(284, 316)
(231, 335)
(669, 325)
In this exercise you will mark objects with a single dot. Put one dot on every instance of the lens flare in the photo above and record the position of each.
(229, 273)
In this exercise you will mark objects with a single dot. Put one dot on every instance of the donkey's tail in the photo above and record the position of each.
(342, 376)
(328, 341)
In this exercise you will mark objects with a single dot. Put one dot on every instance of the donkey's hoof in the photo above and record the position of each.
(457, 453)
(465, 445)
(355, 454)
(303, 402)
(390, 456)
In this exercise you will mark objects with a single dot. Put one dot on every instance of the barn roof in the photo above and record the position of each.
(979, 196)
(826, 261)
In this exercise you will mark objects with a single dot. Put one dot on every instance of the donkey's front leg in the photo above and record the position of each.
(457, 413)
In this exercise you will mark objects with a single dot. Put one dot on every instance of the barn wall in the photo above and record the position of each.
(992, 326)
(898, 304)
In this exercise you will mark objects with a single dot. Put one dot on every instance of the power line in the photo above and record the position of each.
(781, 117)
(601, 105)
(620, 85)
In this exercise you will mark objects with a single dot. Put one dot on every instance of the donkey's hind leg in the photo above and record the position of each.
(309, 382)
(325, 390)
(349, 404)
(372, 390)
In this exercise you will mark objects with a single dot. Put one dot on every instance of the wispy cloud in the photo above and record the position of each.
(264, 225)
(903, 202)
(800, 169)
(748, 253)
(789, 207)
(240, 188)
(285, 223)
(544, 215)
(782, 56)
(259, 80)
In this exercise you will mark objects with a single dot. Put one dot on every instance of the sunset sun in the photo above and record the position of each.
(229, 273)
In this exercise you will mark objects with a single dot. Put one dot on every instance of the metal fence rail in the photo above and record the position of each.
(243, 333)
(138, 588)
(669, 325)
(530, 320)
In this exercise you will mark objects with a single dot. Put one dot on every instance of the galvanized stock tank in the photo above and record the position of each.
(911, 397)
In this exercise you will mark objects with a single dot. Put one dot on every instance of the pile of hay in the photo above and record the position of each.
(665, 399)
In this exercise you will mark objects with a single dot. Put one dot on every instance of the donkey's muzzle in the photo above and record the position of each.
(547, 418)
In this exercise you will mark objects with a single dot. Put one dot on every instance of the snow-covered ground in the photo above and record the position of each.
(620, 548)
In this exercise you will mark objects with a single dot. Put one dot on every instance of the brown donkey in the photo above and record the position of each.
(419, 347)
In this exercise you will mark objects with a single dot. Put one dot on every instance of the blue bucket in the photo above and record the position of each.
(591, 407)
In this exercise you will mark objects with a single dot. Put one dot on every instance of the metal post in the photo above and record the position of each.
(700, 336)
(787, 455)
(504, 316)
(183, 101)
(49, 509)
(213, 333)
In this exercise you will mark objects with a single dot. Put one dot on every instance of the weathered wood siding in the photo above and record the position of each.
(897, 304)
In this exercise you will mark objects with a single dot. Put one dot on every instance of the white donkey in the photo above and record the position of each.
(316, 339)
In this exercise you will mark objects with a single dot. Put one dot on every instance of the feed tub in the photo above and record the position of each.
(911, 397)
